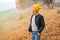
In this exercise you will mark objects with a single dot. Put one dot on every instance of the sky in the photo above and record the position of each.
(7, 4)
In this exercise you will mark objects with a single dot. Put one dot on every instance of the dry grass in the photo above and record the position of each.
(17, 29)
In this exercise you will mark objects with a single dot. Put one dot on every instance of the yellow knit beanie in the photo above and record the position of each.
(37, 6)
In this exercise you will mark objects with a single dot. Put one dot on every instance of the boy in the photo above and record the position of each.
(36, 23)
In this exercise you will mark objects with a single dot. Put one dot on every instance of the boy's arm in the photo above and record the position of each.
(30, 30)
(42, 24)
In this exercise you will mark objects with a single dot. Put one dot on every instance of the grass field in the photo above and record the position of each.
(5, 14)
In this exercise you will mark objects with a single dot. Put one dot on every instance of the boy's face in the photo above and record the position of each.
(34, 11)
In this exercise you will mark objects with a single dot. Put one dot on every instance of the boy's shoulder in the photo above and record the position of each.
(40, 15)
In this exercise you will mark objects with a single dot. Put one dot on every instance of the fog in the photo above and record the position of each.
(7, 4)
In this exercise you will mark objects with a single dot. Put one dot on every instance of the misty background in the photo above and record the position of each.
(7, 4)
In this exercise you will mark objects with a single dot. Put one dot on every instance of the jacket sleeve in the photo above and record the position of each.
(42, 24)
(30, 29)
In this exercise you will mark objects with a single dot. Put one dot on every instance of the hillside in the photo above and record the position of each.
(16, 27)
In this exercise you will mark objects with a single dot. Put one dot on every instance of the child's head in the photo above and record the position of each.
(36, 8)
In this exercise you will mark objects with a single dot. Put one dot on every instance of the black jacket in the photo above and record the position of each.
(39, 21)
